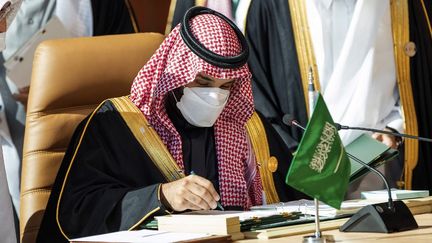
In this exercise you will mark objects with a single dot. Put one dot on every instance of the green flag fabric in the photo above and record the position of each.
(321, 167)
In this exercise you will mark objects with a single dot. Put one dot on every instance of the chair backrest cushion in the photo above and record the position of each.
(70, 78)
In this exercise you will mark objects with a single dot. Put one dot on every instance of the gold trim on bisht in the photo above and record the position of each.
(245, 18)
(144, 218)
(201, 3)
(400, 28)
(267, 164)
(170, 16)
(426, 17)
(148, 138)
(303, 43)
(171, 12)
(68, 170)
(132, 16)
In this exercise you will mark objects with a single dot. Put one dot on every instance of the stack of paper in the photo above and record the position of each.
(213, 222)
(307, 207)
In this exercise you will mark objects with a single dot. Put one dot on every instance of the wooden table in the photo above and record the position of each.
(422, 234)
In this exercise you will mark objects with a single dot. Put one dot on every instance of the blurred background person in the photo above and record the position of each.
(80, 18)
(287, 37)
(236, 10)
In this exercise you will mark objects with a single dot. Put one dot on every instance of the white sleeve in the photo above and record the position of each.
(395, 119)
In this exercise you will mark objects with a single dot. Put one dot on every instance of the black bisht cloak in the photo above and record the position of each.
(277, 84)
(421, 80)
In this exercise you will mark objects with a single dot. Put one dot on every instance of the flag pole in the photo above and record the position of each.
(317, 237)
(317, 221)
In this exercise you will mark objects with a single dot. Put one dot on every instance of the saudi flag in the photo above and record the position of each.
(321, 167)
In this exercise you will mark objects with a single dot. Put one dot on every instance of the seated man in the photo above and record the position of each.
(184, 139)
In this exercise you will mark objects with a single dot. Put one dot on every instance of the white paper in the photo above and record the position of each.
(308, 207)
(141, 236)
(243, 215)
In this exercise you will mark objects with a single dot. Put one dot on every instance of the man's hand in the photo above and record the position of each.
(192, 192)
(386, 139)
(22, 96)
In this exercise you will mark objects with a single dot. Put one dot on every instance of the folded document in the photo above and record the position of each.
(371, 152)
(307, 207)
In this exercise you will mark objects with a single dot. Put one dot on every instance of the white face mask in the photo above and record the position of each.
(202, 106)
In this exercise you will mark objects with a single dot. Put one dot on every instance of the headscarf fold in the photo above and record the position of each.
(174, 65)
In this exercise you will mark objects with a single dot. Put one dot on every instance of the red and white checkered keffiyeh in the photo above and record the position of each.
(174, 65)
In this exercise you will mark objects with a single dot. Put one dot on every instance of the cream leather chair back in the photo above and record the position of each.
(70, 78)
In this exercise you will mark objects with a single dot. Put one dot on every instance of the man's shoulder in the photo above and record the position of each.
(106, 106)
(104, 115)
(117, 112)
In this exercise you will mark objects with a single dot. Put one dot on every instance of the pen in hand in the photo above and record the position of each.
(218, 204)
